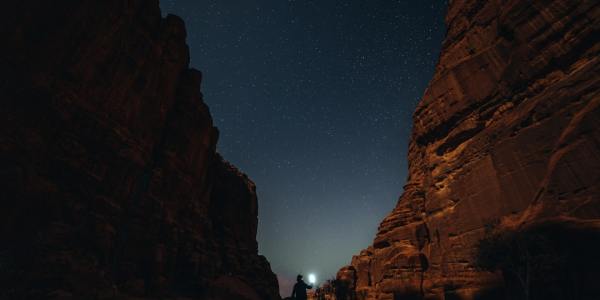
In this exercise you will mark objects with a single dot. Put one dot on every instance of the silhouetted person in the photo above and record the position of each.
(299, 292)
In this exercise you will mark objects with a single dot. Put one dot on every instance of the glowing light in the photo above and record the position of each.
(312, 278)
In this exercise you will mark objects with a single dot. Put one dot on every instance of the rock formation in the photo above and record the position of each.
(507, 131)
(111, 186)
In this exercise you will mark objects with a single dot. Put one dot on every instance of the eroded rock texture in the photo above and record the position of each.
(507, 130)
(110, 184)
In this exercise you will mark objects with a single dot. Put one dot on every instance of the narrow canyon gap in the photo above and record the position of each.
(314, 101)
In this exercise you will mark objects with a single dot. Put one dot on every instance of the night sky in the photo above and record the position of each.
(314, 100)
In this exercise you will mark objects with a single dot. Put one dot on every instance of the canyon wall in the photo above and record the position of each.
(506, 133)
(111, 186)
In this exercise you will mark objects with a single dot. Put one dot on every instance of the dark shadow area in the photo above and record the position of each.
(413, 295)
(549, 260)
(494, 293)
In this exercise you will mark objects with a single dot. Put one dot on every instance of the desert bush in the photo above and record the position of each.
(526, 257)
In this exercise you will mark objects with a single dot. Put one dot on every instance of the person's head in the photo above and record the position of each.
(299, 277)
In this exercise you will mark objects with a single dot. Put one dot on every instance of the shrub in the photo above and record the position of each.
(526, 257)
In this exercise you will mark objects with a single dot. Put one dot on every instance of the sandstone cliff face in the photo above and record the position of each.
(110, 184)
(507, 130)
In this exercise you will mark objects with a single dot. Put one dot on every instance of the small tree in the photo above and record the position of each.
(526, 256)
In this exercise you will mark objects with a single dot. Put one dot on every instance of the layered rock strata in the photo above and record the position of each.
(507, 131)
(111, 186)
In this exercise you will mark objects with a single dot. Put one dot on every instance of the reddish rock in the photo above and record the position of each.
(110, 183)
(507, 130)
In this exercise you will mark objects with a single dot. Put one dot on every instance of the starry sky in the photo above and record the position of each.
(313, 99)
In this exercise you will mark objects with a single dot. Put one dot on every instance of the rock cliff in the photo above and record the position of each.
(111, 186)
(506, 132)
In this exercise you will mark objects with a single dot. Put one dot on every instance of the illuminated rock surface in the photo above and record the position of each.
(507, 130)
(111, 186)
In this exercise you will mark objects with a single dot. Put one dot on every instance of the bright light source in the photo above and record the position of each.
(312, 278)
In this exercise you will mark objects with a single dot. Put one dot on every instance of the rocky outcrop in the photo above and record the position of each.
(111, 187)
(507, 131)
